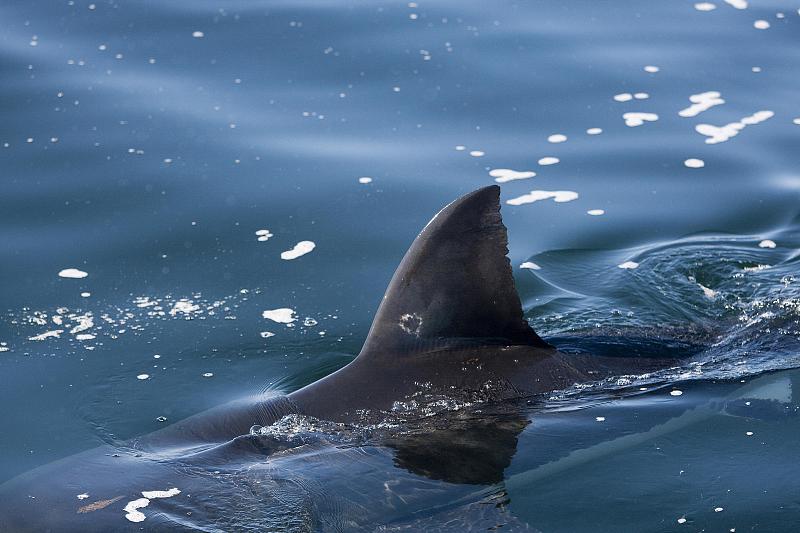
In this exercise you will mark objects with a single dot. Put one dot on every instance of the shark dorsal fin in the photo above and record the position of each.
(454, 285)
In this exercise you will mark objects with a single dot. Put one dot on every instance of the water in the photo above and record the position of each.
(148, 156)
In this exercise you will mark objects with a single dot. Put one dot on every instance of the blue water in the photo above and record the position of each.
(147, 155)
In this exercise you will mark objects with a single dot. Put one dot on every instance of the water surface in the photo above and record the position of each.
(145, 144)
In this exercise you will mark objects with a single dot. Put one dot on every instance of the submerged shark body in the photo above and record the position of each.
(450, 325)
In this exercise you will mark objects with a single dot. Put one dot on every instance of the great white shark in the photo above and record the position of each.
(450, 325)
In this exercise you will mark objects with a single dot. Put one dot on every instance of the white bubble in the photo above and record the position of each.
(477, 153)
(300, 249)
(143, 376)
(535, 196)
(284, 315)
(594, 131)
(364, 180)
(208, 375)
(718, 134)
(694, 163)
(701, 102)
(153, 494)
(600, 418)
(264, 235)
(595, 212)
(73, 273)
(705, 6)
(623, 97)
(557, 138)
(738, 4)
(652, 69)
(676, 392)
(198, 34)
(766, 243)
(545, 161)
(761, 25)
(504, 175)
(628, 265)
(637, 119)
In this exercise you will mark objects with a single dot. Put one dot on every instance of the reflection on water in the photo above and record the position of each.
(171, 172)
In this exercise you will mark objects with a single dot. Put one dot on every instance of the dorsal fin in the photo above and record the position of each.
(454, 285)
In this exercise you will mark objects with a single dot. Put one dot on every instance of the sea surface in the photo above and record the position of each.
(158, 158)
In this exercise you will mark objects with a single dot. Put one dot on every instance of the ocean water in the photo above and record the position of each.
(172, 151)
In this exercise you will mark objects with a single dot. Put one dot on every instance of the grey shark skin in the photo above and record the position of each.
(450, 323)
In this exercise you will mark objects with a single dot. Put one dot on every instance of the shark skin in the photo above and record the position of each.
(450, 324)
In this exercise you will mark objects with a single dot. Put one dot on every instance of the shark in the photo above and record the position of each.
(450, 325)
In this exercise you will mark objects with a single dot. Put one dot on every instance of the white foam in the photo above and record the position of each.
(300, 249)
(549, 160)
(266, 334)
(761, 25)
(749, 433)
(198, 34)
(641, 96)
(364, 180)
(73, 273)
(284, 315)
(461, 148)
(84, 337)
(701, 102)
(595, 212)
(557, 138)
(652, 69)
(705, 6)
(153, 494)
(535, 196)
(623, 97)
(628, 265)
(143, 376)
(477, 153)
(681, 520)
(504, 175)
(85, 294)
(56, 333)
(594, 131)
(694, 163)
(184, 306)
(600, 418)
(634, 119)
(796, 121)
(263, 235)
(84, 322)
(132, 509)
(82, 496)
(738, 4)
(718, 134)
(530, 265)
(766, 243)
(718, 509)
(208, 374)
(709, 293)
(676, 392)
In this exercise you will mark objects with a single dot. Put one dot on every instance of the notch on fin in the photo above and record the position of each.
(454, 285)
